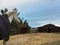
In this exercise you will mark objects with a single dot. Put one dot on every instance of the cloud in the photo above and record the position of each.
(55, 22)
(42, 7)
(14, 3)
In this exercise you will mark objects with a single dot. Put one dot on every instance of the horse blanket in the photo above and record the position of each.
(4, 27)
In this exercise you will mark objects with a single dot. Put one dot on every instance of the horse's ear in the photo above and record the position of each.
(2, 11)
(6, 9)
(15, 9)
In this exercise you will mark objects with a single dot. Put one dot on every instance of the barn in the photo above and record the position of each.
(49, 28)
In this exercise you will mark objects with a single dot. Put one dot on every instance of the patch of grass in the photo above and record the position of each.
(52, 43)
(33, 39)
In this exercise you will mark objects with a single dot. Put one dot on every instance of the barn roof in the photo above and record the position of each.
(50, 26)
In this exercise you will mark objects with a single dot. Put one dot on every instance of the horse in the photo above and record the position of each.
(5, 21)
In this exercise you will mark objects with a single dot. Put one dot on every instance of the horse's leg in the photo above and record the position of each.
(4, 42)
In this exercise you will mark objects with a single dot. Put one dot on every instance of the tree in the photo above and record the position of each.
(15, 27)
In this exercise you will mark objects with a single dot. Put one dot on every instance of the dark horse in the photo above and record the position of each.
(5, 21)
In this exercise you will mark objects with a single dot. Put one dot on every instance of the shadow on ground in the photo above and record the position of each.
(52, 43)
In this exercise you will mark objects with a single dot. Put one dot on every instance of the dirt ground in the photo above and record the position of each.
(34, 39)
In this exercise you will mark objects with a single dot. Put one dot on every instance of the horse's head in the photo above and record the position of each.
(13, 14)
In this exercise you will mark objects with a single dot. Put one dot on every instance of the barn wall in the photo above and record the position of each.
(50, 29)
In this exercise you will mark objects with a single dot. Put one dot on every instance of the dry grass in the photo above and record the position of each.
(33, 39)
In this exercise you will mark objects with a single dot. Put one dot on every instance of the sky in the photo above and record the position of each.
(36, 12)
